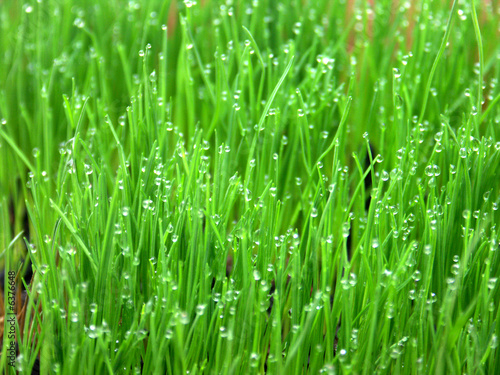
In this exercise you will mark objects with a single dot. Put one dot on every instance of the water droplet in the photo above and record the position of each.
(417, 275)
(169, 334)
(32, 248)
(88, 169)
(494, 341)
(486, 196)
(256, 275)
(147, 204)
(427, 249)
(296, 28)
(183, 317)
(200, 310)
(451, 283)
(314, 212)
(399, 102)
(248, 195)
(254, 360)
(346, 229)
(126, 251)
(79, 23)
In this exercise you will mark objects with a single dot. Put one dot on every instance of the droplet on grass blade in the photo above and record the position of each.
(79, 23)
(466, 214)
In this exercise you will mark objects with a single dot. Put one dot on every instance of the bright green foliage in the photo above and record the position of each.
(291, 187)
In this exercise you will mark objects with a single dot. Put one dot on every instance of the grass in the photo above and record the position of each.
(249, 187)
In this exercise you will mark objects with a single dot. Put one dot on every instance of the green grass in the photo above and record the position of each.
(294, 187)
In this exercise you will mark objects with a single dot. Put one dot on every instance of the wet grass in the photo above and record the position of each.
(249, 187)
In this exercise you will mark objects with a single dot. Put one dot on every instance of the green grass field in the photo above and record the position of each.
(243, 187)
